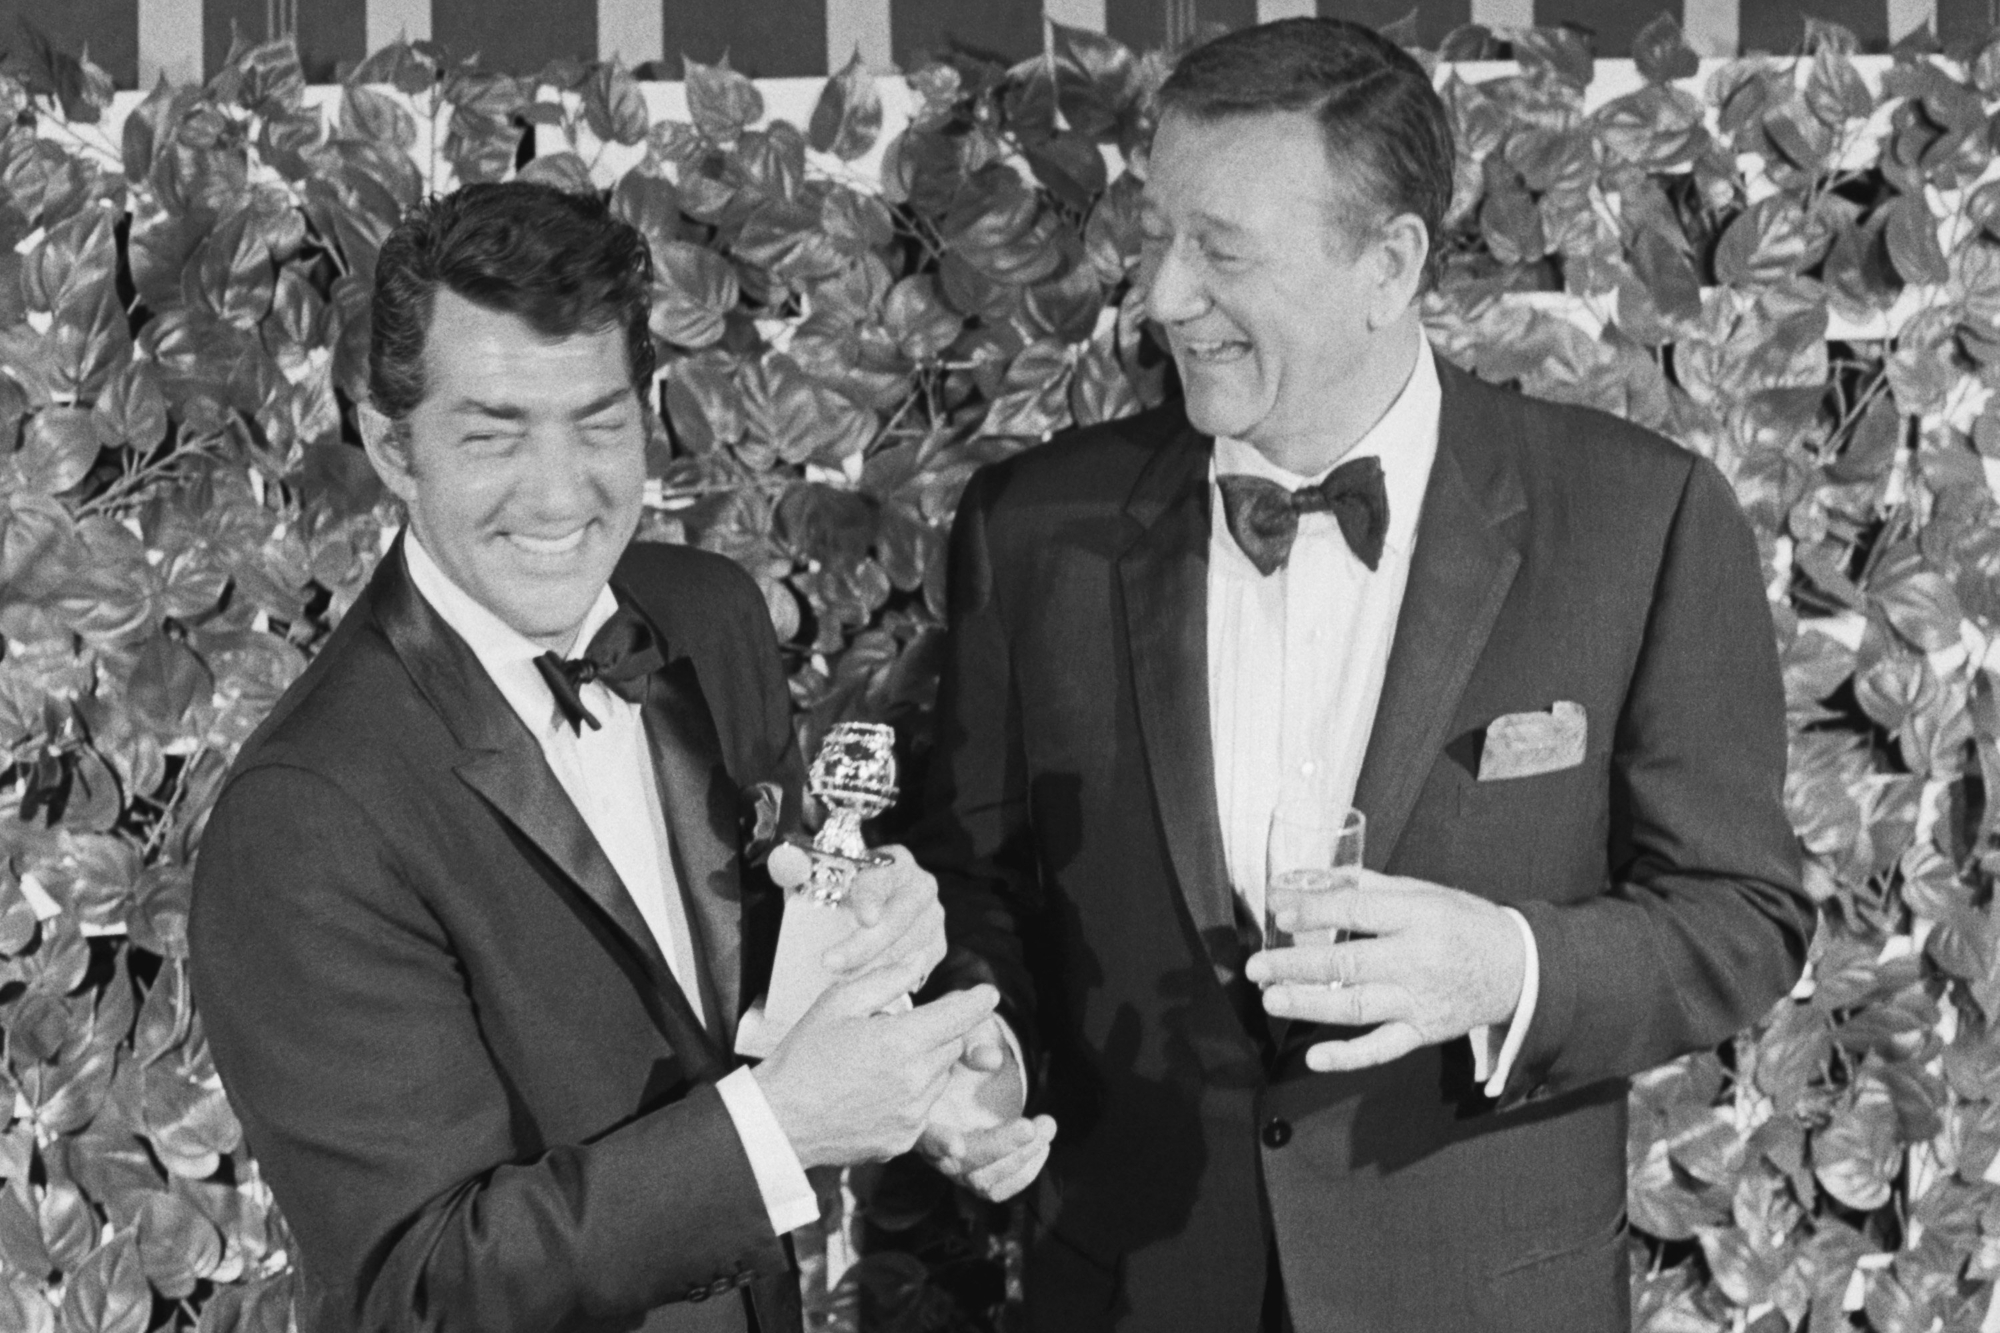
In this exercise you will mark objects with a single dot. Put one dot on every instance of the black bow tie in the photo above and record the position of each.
(1264, 517)
(621, 655)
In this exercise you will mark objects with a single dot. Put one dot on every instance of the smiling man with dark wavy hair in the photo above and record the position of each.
(474, 919)
(1527, 642)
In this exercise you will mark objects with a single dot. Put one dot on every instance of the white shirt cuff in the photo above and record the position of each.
(1487, 1068)
(788, 1195)
(1014, 1050)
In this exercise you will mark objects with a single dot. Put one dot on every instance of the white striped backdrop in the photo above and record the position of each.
(170, 32)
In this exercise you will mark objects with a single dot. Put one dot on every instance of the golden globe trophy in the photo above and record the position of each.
(853, 777)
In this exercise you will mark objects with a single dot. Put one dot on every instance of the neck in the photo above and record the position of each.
(1352, 408)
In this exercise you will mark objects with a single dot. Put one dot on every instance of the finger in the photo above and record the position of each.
(898, 933)
(936, 1077)
(1391, 1041)
(986, 1146)
(1007, 1189)
(1349, 1006)
(788, 866)
(867, 893)
(861, 995)
(1346, 964)
(1023, 1161)
(1000, 1151)
(1379, 910)
(941, 1144)
(945, 1021)
(1004, 1179)
(884, 891)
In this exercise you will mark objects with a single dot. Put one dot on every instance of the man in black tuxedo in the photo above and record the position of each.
(473, 921)
(1528, 642)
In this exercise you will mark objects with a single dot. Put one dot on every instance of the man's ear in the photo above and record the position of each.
(1402, 248)
(388, 447)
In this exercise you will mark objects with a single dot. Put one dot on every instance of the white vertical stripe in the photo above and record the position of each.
(1906, 16)
(633, 30)
(1712, 27)
(1504, 13)
(863, 26)
(1270, 10)
(1075, 13)
(169, 42)
(397, 20)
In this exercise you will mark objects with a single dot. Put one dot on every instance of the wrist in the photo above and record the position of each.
(794, 1119)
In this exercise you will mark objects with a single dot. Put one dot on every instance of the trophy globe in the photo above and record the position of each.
(854, 779)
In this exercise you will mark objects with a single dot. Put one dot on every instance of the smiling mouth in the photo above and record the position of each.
(534, 545)
(1214, 353)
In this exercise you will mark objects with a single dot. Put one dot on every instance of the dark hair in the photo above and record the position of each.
(559, 261)
(1374, 103)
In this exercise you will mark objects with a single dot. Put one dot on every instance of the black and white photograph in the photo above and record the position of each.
(999, 666)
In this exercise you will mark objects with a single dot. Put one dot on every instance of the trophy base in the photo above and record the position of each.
(812, 925)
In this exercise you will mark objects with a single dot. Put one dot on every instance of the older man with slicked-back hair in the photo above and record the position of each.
(474, 919)
(1528, 642)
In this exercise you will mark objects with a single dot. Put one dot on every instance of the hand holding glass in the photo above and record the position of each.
(1310, 851)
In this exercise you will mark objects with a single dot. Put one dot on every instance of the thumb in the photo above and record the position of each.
(950, 1018)
(985, 1050)
(868, 896)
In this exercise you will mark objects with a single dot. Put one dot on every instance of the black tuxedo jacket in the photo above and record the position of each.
(1561, 555)
(476, 1090)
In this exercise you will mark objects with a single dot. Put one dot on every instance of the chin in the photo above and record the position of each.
(1220, 410)
(1219, 419)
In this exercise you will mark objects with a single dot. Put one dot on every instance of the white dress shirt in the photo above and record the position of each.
(608, 774)
(1296, 660)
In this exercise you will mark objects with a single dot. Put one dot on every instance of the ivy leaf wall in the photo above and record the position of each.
(1791, 266)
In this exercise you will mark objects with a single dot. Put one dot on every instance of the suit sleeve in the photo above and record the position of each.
(975, 836)
(1705, 924)
(338, 1017)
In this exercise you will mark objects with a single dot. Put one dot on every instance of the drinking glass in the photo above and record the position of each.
(1311, 851)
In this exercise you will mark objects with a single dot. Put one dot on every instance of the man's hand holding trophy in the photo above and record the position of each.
(862, 931)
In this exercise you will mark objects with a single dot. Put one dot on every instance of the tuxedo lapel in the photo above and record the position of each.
(505, 765)
(698, 798)
(1164, 575)
(1460, 572)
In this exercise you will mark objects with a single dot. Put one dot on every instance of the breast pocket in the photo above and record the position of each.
(1541, 836)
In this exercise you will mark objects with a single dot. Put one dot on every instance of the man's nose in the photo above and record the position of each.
(558, 470)
(1174, 290)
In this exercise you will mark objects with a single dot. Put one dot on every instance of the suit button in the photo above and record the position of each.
(1277, 1132)
(697, 1293)
(722, 1286)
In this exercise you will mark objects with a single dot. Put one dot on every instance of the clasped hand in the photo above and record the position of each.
(850, 1083)
(977, 1134)
(1435, 964)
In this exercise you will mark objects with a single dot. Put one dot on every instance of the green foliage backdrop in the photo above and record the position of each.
(1791, 266)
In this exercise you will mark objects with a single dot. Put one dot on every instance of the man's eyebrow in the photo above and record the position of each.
(474, 407)
(1221, 225)
(596, 405)
(1208, 223)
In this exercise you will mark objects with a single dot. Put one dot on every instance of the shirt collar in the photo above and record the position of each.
(506, 653)
(1405, 439)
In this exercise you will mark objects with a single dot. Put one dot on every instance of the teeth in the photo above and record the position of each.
(547, 545)
(1215, 351)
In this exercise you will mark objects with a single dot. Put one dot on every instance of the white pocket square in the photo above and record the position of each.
(1520, 745)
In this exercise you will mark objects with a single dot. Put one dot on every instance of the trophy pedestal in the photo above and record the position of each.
(854, 779)
(811, 927)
